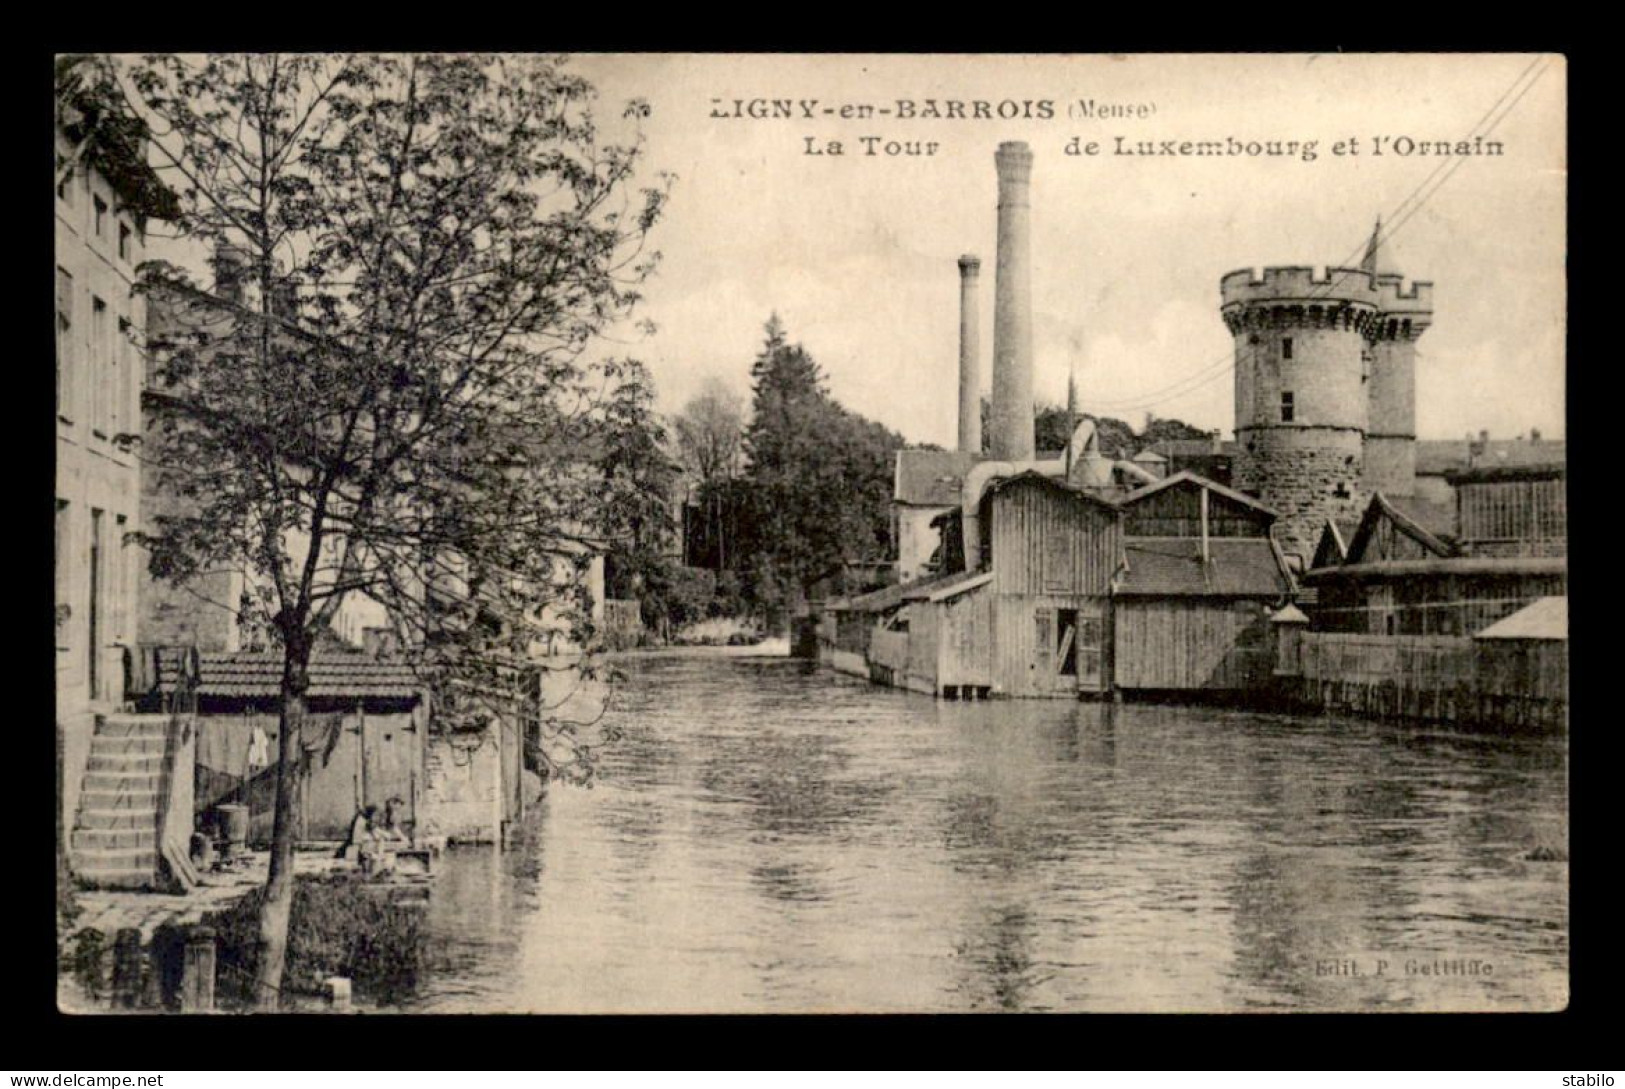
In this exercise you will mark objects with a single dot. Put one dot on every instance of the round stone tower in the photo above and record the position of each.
(1302, 407)
(1403, 316)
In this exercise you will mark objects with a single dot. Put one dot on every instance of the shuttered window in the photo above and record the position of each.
(64, 343)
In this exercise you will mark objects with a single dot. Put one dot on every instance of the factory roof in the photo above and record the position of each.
(1405, 519)
(1173, 567)
(1335, 537)
(1436, 517)
(932, 478)
(1436, 457)
(889, 597)
(1445, 565)
(1094, 495)
(1484, 474)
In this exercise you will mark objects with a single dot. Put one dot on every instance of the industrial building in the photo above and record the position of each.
(1068, 576)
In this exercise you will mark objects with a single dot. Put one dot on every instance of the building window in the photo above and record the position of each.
(101, 214)
(121, 376)
(63, 610)
(1286, 347)
(64, 188)
(121, 582)
(1288, 409)
(100, 342)
(97, 611)
(64, 348)
(124, 241)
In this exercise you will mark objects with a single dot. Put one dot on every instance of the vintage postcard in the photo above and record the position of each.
(773, 533)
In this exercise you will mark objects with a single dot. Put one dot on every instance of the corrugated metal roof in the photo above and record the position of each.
(252, 674)
(1546, 618)
(1172, 566)
(932, 478)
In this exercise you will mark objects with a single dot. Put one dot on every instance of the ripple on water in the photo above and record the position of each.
(765, 838)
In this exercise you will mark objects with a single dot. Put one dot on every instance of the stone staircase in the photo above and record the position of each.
(116, 837)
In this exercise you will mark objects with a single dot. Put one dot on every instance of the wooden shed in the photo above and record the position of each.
(1514, 510)
(363, 739)
(1053, 550)
(1188, 622)
(1200, 576)
(1522, 665)
(1404, 574)
(941, 641)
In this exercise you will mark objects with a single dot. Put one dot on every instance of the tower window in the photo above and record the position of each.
(1286, 347)
(1287, 407)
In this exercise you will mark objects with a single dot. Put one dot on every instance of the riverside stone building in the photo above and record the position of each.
(1325, 378)
(105, 195)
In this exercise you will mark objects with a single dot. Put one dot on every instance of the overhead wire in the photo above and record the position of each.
(1401, 214)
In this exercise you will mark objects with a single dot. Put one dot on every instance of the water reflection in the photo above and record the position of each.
(768, 838)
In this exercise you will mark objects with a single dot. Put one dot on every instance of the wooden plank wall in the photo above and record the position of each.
(1436, 677)
(1022, 667)
(889, 651)
(1050, 541)
(1512, 510)
(1435, 604)
(965, 639)
(338, 783)
(1176, 511)
(921, 670)
(1172, 643)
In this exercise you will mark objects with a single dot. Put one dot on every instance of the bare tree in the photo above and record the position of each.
(710, 434)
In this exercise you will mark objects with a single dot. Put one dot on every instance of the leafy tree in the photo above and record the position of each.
(1053, 426)
(639, 480)
(820, 477)
(1160, 430)
(396, 403)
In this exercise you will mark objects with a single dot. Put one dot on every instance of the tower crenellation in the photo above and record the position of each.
(1325, 381)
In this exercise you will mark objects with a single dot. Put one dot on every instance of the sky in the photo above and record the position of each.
(857, 253)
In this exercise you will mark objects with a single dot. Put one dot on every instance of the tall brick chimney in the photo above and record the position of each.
(970, 342)
(1013, 309)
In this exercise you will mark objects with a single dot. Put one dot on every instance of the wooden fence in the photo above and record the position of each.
(1436, 677)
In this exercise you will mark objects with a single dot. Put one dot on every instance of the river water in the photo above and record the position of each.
(773, 838)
